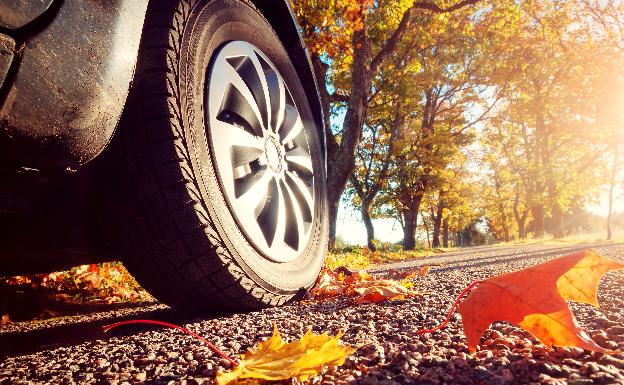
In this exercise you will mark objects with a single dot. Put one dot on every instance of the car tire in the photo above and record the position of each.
(195, 157)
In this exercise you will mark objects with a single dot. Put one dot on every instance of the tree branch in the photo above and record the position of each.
(338, 98)
(396, 36)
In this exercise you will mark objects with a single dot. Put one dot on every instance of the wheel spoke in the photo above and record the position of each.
(241, 146)
(296, 229)
(252, 191)
(242, 155)
(231, 134)
(238, 99)
(292, 125)
(300, 158)
(270, 213)
(280, 227)
(277, 92)
(249, 70)
(302, 193)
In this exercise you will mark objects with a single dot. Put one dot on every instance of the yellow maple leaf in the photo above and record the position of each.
(275, 360)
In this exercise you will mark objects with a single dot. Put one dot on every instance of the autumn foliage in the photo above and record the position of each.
(448, 115)
(363, 287)
(86, 284)
(329, 24)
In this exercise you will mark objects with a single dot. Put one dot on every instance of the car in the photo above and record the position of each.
(182, 137)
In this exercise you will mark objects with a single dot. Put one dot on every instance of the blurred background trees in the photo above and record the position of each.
(458, 117)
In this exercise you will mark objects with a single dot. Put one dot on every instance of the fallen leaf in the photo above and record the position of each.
(5, 320)
(328, 285)
(364, 287)
(408, 273)
(535, 299)
(382, 291)
(277, 360)
(47, 313)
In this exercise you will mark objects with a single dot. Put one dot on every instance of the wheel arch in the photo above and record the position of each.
(58, 118)
(277, 12)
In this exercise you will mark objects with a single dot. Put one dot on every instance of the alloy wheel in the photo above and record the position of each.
(261, 151)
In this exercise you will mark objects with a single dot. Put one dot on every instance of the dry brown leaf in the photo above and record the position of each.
(364, 287)
(407, 274)
(47, 313)
(381, 290)
(535, 299)
(5, 320)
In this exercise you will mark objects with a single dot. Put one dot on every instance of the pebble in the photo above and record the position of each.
(389, 350)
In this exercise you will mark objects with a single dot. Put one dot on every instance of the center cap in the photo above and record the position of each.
(273, 152)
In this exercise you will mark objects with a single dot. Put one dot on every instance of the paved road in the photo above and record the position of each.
(73, 350)
(485, 255)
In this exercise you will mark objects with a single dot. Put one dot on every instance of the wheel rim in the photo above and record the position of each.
(261, 151)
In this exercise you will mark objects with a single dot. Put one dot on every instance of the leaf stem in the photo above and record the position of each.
(451, 310)
(106, 328)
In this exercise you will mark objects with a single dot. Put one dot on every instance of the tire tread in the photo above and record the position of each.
(159, 223)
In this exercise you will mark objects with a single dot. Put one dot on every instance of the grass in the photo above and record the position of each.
(358, 258)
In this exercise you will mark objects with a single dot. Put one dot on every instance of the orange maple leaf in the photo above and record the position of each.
(535, 299)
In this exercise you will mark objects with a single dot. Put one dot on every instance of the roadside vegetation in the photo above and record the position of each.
(357, 258)
(41, 296)
(473, 121)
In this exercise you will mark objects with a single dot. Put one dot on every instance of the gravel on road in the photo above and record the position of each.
(389, 350)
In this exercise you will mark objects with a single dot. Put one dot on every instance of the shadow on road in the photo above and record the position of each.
(34, 336)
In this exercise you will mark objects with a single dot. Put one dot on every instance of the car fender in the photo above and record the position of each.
(71, 83)
(73, 76)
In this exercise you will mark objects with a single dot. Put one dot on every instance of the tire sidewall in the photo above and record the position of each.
(210, 26)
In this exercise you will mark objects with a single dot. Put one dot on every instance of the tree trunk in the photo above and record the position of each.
(320, 70)
(612, 183)
(520, 218)
(445, 233)
(538, 220)
(506, 234)
(342, 163)
(543, 159)
(368, 223)
(437, 222)
(410, 217)
(610, 215)
(557, 225)
(522, 227)
(409, 231)
(506, 237)
(427, 234)
(332, 217)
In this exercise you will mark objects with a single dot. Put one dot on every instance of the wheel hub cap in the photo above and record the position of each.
(261, 152)
(273, 151)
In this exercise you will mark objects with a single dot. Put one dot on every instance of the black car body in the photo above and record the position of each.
(66, 68)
